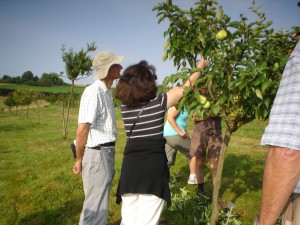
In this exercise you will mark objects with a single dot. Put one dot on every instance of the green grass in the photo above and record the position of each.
(38, 187)
(54, 89)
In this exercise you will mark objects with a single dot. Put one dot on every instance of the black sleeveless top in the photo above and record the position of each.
(144, 169)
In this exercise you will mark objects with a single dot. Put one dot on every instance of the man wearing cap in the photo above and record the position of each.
(95, 139)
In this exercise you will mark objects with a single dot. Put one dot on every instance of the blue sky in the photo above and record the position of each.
(33, 31)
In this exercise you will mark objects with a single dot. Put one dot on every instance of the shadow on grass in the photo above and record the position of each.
(241, 174)
(61, 215)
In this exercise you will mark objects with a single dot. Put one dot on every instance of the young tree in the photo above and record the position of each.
(246, 63)
(23, 97)
(36, 96)
(77, 66)
(10, 102)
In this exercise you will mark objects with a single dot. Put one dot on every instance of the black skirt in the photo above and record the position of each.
(144, 169)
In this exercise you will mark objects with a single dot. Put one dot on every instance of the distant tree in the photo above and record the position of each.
(45, 80)
(56, 80)
(27, 76)
(36, 78)
(5, 79)
(77, 65)
(50, 79)
(24, 98)
(9, 79)
(16, 80)
(10, 102)
(17, 96)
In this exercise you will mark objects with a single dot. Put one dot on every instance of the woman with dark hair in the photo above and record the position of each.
(144, 181)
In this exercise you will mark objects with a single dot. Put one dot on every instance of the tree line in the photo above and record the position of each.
(19, 99)
(46, 80)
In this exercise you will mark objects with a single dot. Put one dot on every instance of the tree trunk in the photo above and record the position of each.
(38, 104)
(63, 118)
(68, 111)
(27, 109)
(217, 182)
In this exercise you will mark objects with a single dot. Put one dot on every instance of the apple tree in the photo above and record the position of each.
(78, 65)
(246, 60)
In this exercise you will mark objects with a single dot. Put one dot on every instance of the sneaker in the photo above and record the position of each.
(192, 180)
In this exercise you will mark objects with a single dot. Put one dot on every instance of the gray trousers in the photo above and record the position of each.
(97, 174)
(177, 143)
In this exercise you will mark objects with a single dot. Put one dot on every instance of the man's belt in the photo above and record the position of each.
(107, 144)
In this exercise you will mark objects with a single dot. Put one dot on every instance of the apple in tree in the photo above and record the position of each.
(221, 34)
(202, 99)
(206, 105)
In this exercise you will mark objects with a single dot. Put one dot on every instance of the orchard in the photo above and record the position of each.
(246, 60)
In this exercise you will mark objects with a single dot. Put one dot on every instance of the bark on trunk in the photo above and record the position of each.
(217, 182)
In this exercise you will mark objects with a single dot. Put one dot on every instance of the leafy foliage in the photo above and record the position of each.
(50, 79)
(22, 98)
(78, 63)
(245, 68)
(246, 60)
(27, 76)
(47, 79)
(198, 207)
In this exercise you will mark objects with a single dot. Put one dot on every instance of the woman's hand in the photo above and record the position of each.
(183, 134)
(176, 93)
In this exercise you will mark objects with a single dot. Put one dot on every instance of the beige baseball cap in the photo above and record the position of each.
(103, 61)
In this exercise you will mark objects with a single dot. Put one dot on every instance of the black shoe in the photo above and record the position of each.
(200, 192)
(200, 189)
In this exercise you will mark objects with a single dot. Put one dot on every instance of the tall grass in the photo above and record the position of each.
(37, 186)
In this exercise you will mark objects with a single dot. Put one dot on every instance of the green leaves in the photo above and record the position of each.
(258, 93)
(78, 63)
(241, 78)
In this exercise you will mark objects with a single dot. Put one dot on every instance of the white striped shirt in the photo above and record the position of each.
(97, 108)
(150, 123)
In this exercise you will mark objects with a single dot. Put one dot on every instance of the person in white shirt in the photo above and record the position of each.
(95, 139)
(282, 135)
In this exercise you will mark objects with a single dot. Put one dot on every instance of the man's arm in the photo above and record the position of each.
(281, 174)
(81, 140)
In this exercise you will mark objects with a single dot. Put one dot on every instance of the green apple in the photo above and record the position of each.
(202, 99)
(276, 66)
(206, 105)
(221, 34)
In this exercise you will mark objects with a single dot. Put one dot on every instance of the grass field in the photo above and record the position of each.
(54, 89)
(38, 187)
